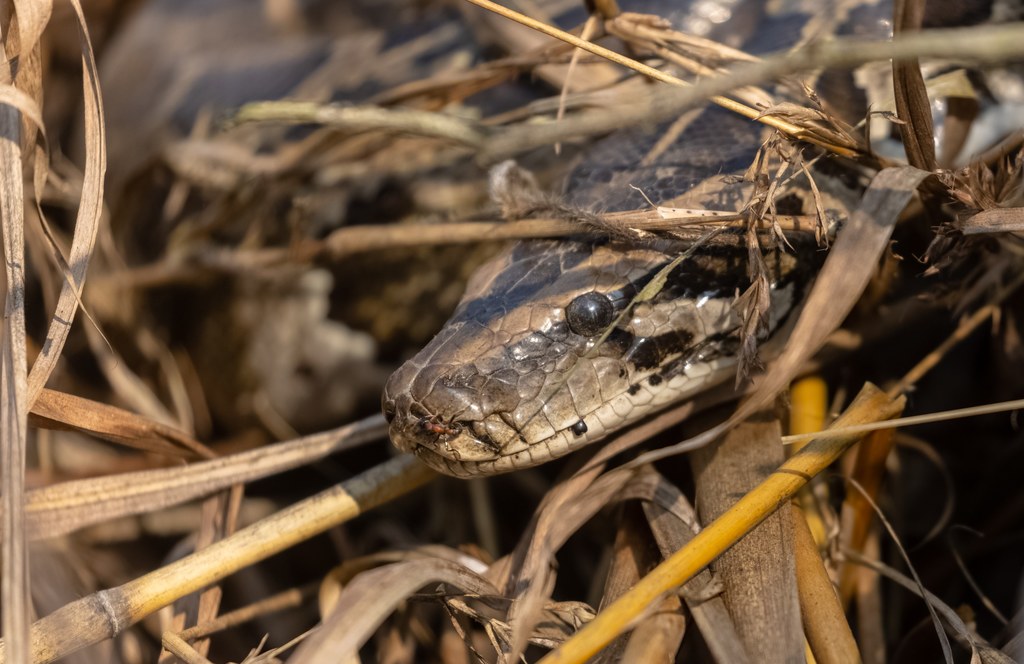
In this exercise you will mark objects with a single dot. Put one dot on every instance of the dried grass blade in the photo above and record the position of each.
(90, 211)
(364, 118)
(28, 107)
(59, 410)
(219, 519)
(19, 108)
(870, 405)
(63, 508)
(996, 220)
(947, 652)
(960, 115)
(137, 395)
(913, 420)
(857, 516)
(14, 577)
(658, 638)
(372, 596)
(287, 599)
(911, 94)
(575, 502)
(846, 273)
(33, 16)
(633, 554)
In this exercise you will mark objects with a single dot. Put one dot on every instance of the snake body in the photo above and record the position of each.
(550, 350)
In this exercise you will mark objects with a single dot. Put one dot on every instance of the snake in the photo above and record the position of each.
(557, 344)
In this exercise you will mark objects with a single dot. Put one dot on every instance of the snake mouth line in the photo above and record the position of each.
(480, 435)
(434, 439)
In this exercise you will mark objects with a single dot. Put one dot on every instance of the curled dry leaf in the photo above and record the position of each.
(90, 210)
(373, 595)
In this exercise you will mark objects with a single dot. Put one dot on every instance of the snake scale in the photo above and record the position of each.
(550, 350)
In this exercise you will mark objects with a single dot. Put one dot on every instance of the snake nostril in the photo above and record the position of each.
(389, 410)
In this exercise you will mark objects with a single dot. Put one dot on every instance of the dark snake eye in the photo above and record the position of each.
(589, 314)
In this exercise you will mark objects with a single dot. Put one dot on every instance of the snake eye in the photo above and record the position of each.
(589, 314)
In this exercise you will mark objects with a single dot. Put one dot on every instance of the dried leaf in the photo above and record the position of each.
(58, 410)
(757, 573)
(674, 523)
(995, 220)
(33, 16)
(566, 508)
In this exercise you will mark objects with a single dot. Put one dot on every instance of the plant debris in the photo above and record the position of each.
(260, 210)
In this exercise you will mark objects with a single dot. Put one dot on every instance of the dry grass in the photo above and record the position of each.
(183, 467)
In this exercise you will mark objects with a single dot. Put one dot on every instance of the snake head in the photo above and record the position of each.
(551, 349)
(456, 403)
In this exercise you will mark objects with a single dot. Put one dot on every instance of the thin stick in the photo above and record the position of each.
(288, 599)
(363, 118)
(656, 74)
(105, 614)
(918, 371)
(362, 238)
(964, 330)
(959, 413)
(62, 508)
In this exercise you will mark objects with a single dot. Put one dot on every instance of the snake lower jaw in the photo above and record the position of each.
(469, 448)
(459, 442)
(460, 447)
